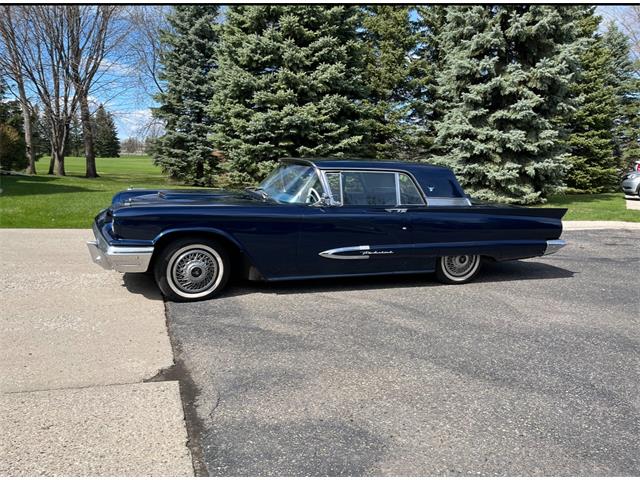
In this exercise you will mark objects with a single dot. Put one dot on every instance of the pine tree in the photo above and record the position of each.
(503, 82)
(106, 141)
(390, 40)
(429, 58)
(75, 140)
(593, 166)
(12, 147)
(188, 63)
(289, 84)
(627, 88)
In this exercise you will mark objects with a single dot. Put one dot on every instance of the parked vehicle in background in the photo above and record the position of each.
(317, 218)
(630, 182)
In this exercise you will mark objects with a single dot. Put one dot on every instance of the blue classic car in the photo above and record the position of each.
(317, 218)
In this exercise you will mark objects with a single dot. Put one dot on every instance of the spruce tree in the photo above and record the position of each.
(627, 88)
(593, 166)
(428, 59)
(504, 81)
(289, 83)
(390, 41)
(105, 134)
(188, 62)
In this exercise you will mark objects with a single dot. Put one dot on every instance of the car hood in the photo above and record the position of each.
(209, 197)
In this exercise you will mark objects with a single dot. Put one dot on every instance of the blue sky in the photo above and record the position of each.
(130, 102)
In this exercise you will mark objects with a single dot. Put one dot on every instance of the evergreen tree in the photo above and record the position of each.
(390, 39)
(13, 153)
(627, 88)
(593, 166)
(504, 80)
(75, 140)
(289, 84)
(428, 57)
(188, 63)
(106, 141)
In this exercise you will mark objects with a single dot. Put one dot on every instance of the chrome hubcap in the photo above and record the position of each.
(195, 271)
(460, 265)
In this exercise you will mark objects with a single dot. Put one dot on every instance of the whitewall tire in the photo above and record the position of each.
(456, 269)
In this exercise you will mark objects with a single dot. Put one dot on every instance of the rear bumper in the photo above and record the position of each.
(553, 246)
(121, 259)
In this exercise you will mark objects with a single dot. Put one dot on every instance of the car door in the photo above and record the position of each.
(364, 231)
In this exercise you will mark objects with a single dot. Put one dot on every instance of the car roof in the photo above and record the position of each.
(361, 163)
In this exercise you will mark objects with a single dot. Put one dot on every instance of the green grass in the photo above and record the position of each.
(603, 206)
(46, 201)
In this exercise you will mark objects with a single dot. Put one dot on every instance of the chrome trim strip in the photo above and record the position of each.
(121, 259)
(449, 202)
(553, 246)
(334, 253)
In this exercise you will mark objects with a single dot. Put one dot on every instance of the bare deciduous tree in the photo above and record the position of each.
(13, 34)
(42, 66)
(144, 45)
(90, 38)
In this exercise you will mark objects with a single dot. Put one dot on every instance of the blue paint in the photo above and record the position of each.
(283, 241)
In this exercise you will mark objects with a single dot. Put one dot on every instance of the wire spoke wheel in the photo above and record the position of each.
(459, 268)
(194, 271)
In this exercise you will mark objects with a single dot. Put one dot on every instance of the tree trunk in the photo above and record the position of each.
(52, 161)
(89, 151)
(58, 139)
(58, 156)
(28, 131)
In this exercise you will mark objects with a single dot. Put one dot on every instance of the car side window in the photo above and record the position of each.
(368, 188)
(373, 188)
(409, 194)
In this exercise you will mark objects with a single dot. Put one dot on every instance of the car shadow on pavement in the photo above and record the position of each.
(142, 284)
(491, 272)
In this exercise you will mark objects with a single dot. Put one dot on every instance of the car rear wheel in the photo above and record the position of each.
(192, 269)
(457, 268)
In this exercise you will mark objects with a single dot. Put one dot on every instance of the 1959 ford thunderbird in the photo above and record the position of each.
(317, 218)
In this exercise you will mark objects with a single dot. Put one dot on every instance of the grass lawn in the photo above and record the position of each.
(603, 206)
(46, 201)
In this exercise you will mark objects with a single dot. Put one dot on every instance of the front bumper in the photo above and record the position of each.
(553, 246)
(121, 259)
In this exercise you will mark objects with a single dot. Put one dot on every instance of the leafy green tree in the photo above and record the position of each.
(188, 63)
(504, 81)
(593, 166)
(390, 41)
(627, 89)
(289, 83)
(105, 134)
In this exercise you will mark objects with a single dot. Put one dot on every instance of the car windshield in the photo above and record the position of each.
(293, 183)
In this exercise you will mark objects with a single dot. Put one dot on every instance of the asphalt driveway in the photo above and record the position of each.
(534, 369)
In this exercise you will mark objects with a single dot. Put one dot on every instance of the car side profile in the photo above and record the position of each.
(316, 218)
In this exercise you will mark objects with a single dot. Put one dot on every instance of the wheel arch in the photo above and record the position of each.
(239, 256)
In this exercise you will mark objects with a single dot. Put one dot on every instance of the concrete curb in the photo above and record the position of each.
(599, 225)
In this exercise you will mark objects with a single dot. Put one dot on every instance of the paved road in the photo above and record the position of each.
(532, 370)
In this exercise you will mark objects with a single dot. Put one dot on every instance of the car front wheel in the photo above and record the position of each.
(192, 269)
(457, 268)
